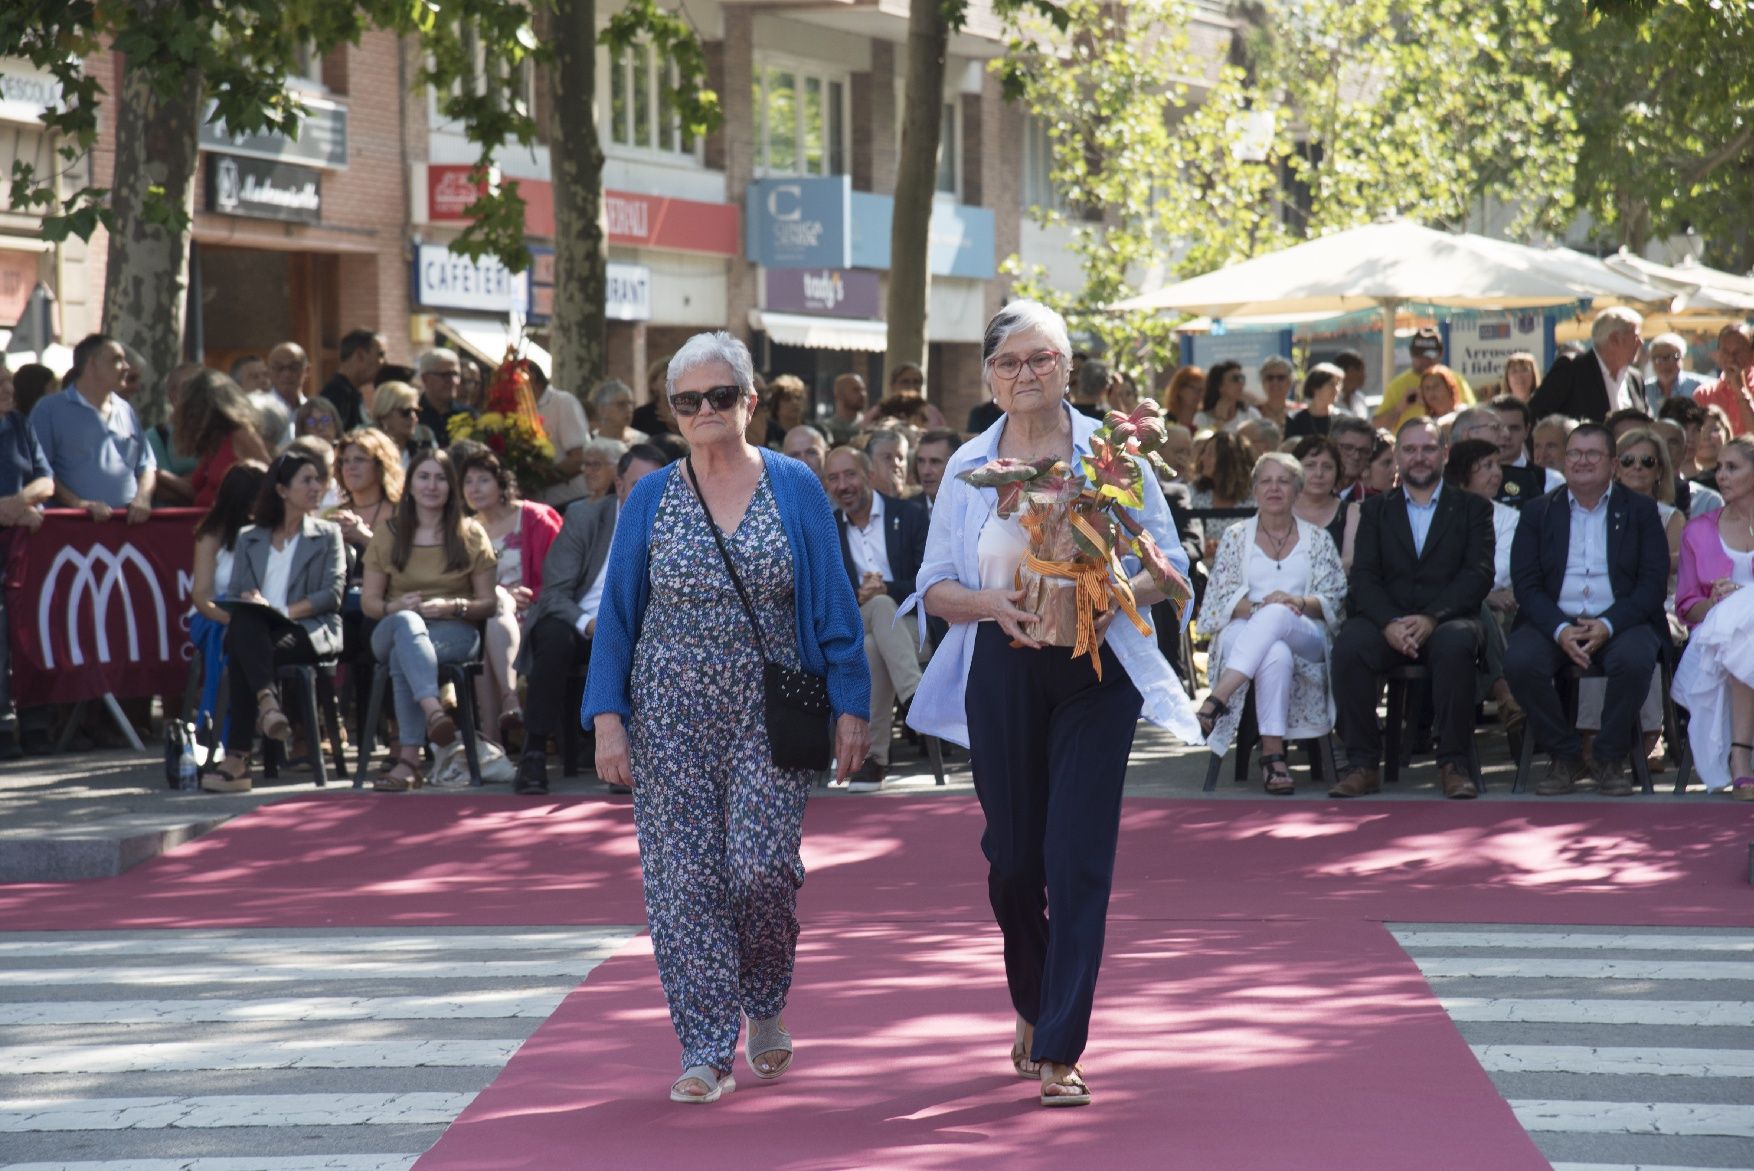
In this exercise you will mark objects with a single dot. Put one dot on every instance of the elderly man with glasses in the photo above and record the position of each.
(441, 375)
(1668, 359)
(1590, 566)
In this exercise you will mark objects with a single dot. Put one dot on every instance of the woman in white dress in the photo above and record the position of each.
(1715, 681)
(1273, 602)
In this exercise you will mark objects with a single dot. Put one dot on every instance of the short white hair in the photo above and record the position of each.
(613, 448)
(1017, 317)
(1613, 320)
(1667, 341)
(436, 357)
(1283, 459)
(1277, 363)
(610, 390)
(1464, 423)
(705, 348)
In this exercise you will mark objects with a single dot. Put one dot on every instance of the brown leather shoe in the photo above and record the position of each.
(1457, 784)
(1562, 777)
(1611, 778)
(1357, 782)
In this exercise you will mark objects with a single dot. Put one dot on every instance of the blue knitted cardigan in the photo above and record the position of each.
(831, 634)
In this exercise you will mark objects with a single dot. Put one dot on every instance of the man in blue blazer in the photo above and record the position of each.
(1590, 567)
(882, 542)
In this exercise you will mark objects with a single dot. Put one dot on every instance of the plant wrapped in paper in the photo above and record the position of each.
(1080, 524)
(510, 427)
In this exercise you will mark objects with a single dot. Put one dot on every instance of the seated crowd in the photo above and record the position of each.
(1582, 525)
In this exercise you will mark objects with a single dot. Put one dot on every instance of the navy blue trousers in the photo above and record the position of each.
(1049, 744)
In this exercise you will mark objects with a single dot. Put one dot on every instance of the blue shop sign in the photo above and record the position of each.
(824, 223)
(960, 238)
(799, 223)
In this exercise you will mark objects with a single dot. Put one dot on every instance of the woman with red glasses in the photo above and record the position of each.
(724, 565)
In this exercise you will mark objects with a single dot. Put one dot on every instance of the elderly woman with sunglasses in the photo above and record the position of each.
(723, 562)
(1048, 732)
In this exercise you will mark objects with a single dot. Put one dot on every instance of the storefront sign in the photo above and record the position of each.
(823, 223)
(26, 92)
(263, 190)
(1478, 345)
(628, 295)
(800, 223)
(830, 292)
(446, 280)
(321, 141)
(959, 239)
(541, 280)
(99, 608)
(1249, 348)
(679, 225)
(450, 189)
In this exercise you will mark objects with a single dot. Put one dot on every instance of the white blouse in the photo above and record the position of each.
(1267, 576)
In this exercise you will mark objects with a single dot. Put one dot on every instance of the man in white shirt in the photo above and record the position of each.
(563, 417)
(558, 628)
(882, 541)
(1590, 567)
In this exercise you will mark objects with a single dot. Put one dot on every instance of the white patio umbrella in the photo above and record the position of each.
(1698, 287)
(1386, 265)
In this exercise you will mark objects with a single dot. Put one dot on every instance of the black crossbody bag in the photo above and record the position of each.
(799, 731)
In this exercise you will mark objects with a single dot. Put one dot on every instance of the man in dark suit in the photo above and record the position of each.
(362, 358)
(1590, 567)
(1421, 569)
(558, 628)
(1603, 379)
(882, 542)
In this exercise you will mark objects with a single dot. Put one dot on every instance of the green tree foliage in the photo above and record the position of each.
(1328, 114)
(1665, 97)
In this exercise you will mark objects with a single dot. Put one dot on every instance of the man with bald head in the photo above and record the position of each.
(849, 404)
(882, 542)
(277, 404)
(806, 443)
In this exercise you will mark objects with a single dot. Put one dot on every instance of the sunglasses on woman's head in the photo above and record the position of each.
(687, 404)
(1647, 462)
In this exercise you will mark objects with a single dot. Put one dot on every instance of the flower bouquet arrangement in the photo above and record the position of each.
(1079, 527)
(511, 428)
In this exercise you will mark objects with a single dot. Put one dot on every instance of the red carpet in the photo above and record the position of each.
(1252, 1014)
(1246, 1046)
(500, 859)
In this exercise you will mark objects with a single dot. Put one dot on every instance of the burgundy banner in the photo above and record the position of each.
(100, 607)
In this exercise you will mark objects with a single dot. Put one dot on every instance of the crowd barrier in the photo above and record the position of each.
(99, 609)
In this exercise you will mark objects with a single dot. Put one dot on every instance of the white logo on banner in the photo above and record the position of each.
(114, 565)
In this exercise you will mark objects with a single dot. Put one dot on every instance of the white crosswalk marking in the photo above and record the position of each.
(337, 1050)
(490, 1004)
(1604, 1041)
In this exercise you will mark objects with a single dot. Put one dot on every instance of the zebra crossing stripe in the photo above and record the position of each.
(231, 1110)
(1730, 1063)
(1536, 1010)
(481, 1004)
(1574, 940)
(220, 973)
(243, 1053)
(1664, 1118)
(302, 947)
(1546, 967)
(222, 1163)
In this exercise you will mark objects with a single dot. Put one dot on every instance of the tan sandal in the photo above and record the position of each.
(441, 729)
(272, 723)
(1026, 1069)
(1073, 1090)
(388, 782)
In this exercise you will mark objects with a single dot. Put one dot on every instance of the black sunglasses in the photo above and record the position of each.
(687, 404)
(1647, 462)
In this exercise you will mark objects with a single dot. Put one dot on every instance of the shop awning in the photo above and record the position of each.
(486, 338)
(821, 333)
